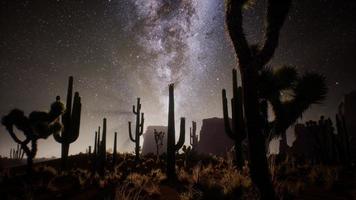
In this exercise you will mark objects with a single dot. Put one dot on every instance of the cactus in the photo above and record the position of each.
(71, 122)
(103, 142)
(172, 147)
(159, 141)
(236, 131)
(139, 128)
(17, 153)
(39, 125)
(98, 142)
(251, 59)
(95, 143)
(89, 151)
(114, 154)
(193, 136)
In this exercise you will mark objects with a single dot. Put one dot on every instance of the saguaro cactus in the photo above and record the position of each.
(172, 147)
(193, 136)
(139, 128)
(114, 155)
(103, 142)
(95, 143)
(71, 122)
(237, 129)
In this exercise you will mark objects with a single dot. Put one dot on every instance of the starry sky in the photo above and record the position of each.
(118, 50)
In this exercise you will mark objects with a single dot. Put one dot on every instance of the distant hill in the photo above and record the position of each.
(213, 139)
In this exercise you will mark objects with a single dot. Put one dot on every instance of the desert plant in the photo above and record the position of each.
(251, 60)
(17, 153)
(139, 128)
(193, 136)
(236, 131)
(290, 95)
(39, 125)
(114, 154)
(158, 140)
(95, 143)
(71, 122)
(172, 147)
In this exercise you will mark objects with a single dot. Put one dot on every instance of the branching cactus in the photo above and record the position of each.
(158, 140)
(39, 125)
(193, 136)
(71, 122)
(172, 147)
(235, 131)
(139, 128)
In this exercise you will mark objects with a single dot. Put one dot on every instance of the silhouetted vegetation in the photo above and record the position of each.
(172, 147)
(70, 121)
(237, 130)
(39, 125)
(139, 128)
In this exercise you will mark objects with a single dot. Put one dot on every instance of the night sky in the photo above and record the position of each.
(122, 49)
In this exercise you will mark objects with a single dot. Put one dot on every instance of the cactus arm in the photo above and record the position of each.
(134, 109)
(277, 11)
(130, 133)
(58, 138)
(76, 115)
(142, 123)
(181, 135)
(66, 118)
(228, 130)
(234, 23)
(190, 136)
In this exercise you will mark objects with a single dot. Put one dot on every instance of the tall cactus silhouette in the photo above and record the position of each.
(251, 59)
(103, 142)
(139, 128)
(172, 147)
(71, 122)
(95, 143)
(237, 129)
(193, 136)
(114, 154)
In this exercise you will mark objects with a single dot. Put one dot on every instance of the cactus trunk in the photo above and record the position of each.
(138, 130)
(71, 122)
(172, 147)
(236, 131)
(114, 155)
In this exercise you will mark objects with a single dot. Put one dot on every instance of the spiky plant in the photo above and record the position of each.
(290, 95)
(39, 125)
(251, 60)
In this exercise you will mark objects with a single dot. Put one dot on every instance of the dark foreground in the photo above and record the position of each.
(199, 177)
